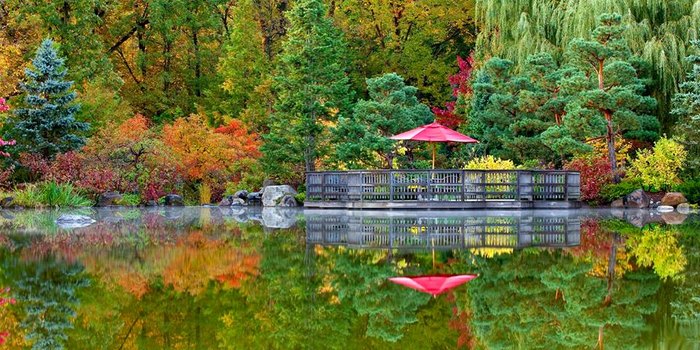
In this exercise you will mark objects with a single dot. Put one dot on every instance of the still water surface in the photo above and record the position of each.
(207, 278)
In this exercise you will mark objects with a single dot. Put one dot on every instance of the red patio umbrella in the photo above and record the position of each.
(434, 132)
(433, 284)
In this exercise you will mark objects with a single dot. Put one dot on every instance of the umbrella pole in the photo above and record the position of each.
(433, 144)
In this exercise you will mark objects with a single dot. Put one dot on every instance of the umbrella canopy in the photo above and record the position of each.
(434, 132)
(433, 284)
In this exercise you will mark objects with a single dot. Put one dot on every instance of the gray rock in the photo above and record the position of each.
(665, 208)
(237, 202)
(683, 208)
(254, 198)
(152, 203)
(654, 205)
(638, 199)
(288, 201)
(226, 201)
(108, 198)
(74, 221)
(673, 199)
(7, 202)
(174, 200)
(273, 195)
(618, 203)
(242, 194)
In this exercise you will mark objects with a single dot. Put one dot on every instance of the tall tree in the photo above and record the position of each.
(244, 68)
(47, 125)
(686, 106)
(312, 87)
(392, 108)
(612, 94)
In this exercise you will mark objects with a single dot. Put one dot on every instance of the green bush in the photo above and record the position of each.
(50, 194)
(129, 200)
(690, 189)
(612, 192)
(300, 197)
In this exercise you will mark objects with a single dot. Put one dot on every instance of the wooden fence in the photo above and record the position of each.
(445, 186)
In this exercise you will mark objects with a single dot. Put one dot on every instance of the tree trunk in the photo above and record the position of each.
(612, 157)
(197, 64)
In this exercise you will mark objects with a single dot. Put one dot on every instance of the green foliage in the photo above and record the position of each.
(686, 107)
(690, 189)
(611, 192)
(659, 168)
(49, 194)
(393, 107)
(489, 163)
(47, 124)
(312, 89)
(129, 199)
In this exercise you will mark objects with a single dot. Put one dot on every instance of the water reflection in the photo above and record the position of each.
(205, 278)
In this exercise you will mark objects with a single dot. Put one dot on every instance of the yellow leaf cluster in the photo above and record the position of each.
(658, 168)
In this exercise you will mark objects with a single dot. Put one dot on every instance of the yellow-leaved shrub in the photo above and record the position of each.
(658, 168)
(489, 163)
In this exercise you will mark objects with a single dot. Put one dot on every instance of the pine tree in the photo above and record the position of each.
(392, 108)
(686, 106)
(47, 125)
(611, 99)
(312, 89)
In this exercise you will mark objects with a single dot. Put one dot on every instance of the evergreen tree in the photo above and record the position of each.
(312, 89)
(611, 99)
(392, 108)
(47, 125)
(686, 106)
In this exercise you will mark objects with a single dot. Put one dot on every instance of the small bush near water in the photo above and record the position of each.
(49, 194)
(612, 192)
(690, 189)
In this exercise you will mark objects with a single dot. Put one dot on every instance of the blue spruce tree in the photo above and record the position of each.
(47, 125)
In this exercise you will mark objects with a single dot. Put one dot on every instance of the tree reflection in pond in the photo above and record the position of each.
(199, 279)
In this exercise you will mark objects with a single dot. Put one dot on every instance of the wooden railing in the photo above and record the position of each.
(442, 185)
(443, 232)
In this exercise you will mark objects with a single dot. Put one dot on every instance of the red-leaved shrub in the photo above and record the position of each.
(595, 173)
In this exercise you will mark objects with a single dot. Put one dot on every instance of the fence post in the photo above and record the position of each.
(525, 184)
(391, 185)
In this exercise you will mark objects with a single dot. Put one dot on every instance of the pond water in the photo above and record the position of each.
(206, 278)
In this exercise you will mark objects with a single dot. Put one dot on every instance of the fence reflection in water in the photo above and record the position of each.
(368, 230)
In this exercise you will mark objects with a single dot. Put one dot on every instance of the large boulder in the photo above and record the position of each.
(108, 198)
(273, 195)
(673, 199)
(174, 200)
(638, 199)
(288, 201)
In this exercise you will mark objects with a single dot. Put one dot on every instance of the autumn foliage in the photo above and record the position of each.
(461, 86)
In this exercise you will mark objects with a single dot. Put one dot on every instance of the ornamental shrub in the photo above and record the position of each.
(658, 168)
(595, 173)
